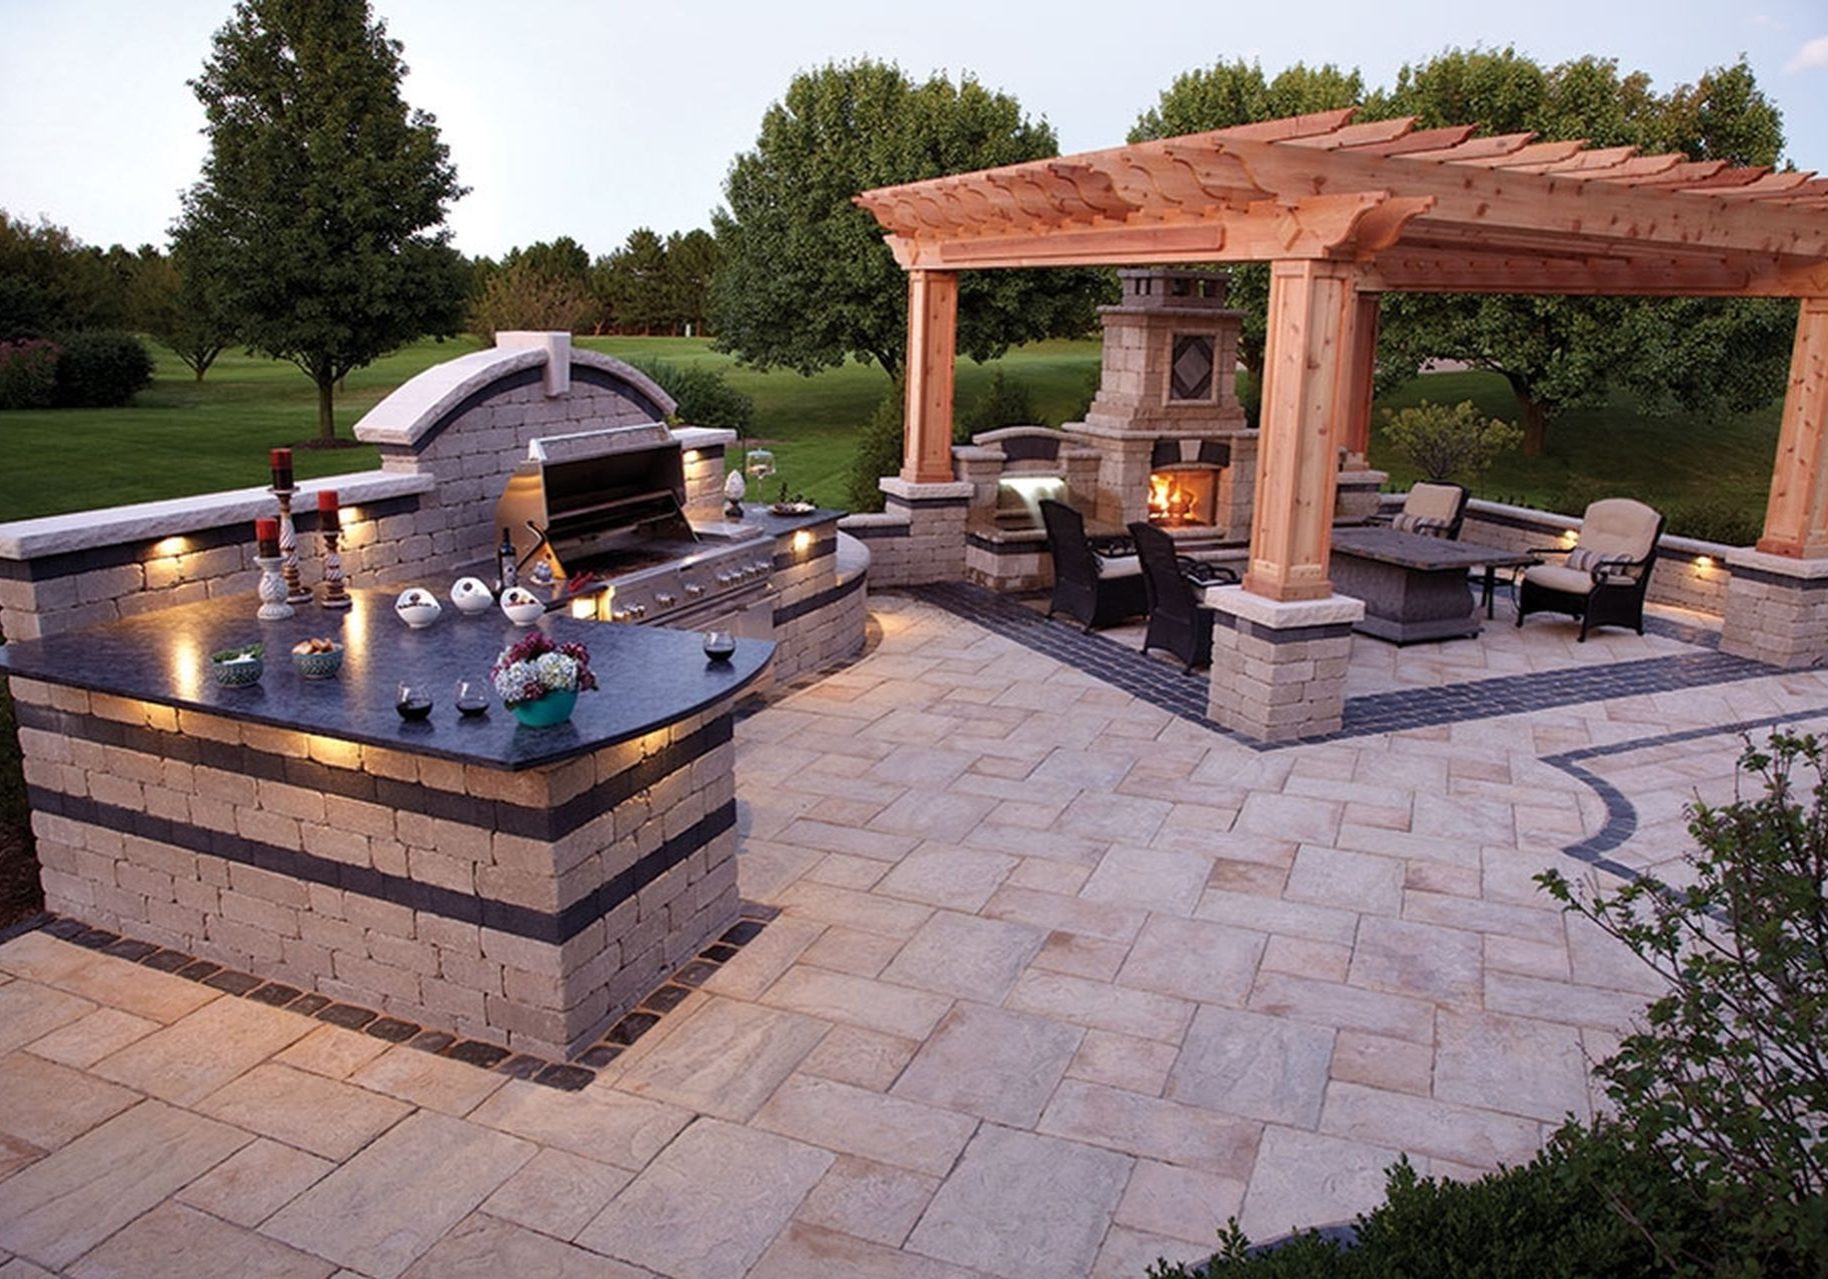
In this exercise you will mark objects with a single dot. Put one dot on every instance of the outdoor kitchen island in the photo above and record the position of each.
(515, 885)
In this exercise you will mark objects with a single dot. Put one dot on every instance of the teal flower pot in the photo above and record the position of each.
(554, 708)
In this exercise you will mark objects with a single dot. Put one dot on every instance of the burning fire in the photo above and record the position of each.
(1168, 500)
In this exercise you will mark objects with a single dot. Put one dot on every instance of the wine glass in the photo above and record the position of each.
(472, 697)
(414, 702)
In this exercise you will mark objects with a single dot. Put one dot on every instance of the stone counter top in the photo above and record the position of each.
(651, 677)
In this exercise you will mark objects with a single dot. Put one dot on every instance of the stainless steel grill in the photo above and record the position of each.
(605, 511)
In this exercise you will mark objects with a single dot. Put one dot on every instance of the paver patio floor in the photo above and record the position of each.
(1061, 981)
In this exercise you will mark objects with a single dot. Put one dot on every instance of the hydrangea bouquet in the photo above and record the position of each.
(534, 667)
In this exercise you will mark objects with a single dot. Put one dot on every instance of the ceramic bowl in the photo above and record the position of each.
(522, 606)
(417, 607)
(471, 596)
(238, 672)
(319, 665)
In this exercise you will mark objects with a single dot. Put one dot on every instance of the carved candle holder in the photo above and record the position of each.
(335, 596)
(273, 606)
(288, 549)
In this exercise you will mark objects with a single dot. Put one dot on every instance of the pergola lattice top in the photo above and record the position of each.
(1419, 210)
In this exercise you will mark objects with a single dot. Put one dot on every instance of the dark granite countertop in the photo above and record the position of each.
(650, 676)
(757, 515)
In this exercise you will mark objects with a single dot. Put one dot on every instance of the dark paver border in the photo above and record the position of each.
(1165, 687)
(1621, 815)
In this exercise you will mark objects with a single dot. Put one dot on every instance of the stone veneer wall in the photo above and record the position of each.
(1689, 573)
(529, 908)
(919, 537)
(1279, 670)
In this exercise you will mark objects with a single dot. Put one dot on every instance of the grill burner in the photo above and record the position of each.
(606, 507)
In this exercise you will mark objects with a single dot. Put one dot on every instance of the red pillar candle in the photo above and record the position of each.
(326, 505)
(281, 462)
(266, 538)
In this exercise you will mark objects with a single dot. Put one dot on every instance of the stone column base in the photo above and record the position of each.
(1356, 499)
(1776, 609)
(1279, 670)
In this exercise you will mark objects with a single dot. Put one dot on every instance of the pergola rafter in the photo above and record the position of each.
(1701, 227)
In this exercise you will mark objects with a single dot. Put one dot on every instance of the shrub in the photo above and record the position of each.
(28, 373)
(1727, 1081)
(1005, 402)
(1543, 1220)
(100, 370)
(703, 397)
(1446, 443)
(878, 453)
(1717, 520)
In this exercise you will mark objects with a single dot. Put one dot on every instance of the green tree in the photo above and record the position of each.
(806, 279)
(633, 283)
(520, 295)
(691, 265)
(180, 299)
(1232, 93)
(323, 195)
(51, 283)
(1559, 353)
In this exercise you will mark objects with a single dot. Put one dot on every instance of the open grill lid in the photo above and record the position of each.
(594, 494)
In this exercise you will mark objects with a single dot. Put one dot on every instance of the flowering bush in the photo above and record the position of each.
(527, 671)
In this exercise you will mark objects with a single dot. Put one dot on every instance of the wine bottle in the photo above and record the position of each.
(504, 561)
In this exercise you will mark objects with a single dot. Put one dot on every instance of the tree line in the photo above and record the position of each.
(315, 232)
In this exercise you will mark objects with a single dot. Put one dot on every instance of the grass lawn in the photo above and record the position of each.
(180, 437)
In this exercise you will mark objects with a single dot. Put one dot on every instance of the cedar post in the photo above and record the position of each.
(1308, 397)
(932, 340)
(1362, 370)
(1796, 515)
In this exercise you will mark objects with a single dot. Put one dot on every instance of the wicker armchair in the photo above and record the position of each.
(1603, 580)
(1098, 585)
(1178, 621)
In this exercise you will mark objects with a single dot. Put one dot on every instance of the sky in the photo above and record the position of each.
(590, 119)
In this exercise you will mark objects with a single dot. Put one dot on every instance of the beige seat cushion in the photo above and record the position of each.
(1432, 502)
(1619, 526)
(1555, 577)
(1119, 566)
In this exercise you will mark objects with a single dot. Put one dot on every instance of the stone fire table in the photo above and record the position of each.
(1414, 587)
(523, 886)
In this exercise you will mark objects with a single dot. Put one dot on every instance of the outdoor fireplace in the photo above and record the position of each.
(1182, 497)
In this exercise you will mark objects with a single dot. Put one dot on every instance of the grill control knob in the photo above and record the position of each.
(639, 610)
(724, 579)
(762, 566)
(693, 590)
(663, 600)
(621, 615)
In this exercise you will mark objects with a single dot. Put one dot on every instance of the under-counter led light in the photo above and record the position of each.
(802, 541)
(1570, 536)
(584, 608)
(1704, 561)
(170, 546)
(690, 455)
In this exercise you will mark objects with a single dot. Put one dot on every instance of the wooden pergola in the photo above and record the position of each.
(1344, 213)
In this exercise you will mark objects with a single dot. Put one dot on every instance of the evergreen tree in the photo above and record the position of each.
(323, 196)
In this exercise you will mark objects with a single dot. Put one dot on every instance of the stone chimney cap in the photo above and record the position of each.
(1159, 287)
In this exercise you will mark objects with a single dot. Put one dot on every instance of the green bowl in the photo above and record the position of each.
(239, 673)
(319, 665)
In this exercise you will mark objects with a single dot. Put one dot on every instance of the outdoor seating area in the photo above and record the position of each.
(1058, 982)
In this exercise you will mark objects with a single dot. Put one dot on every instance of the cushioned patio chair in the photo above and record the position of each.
(1097, 583)
(1178, 621)
(1434, 510)
(1603, 579)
